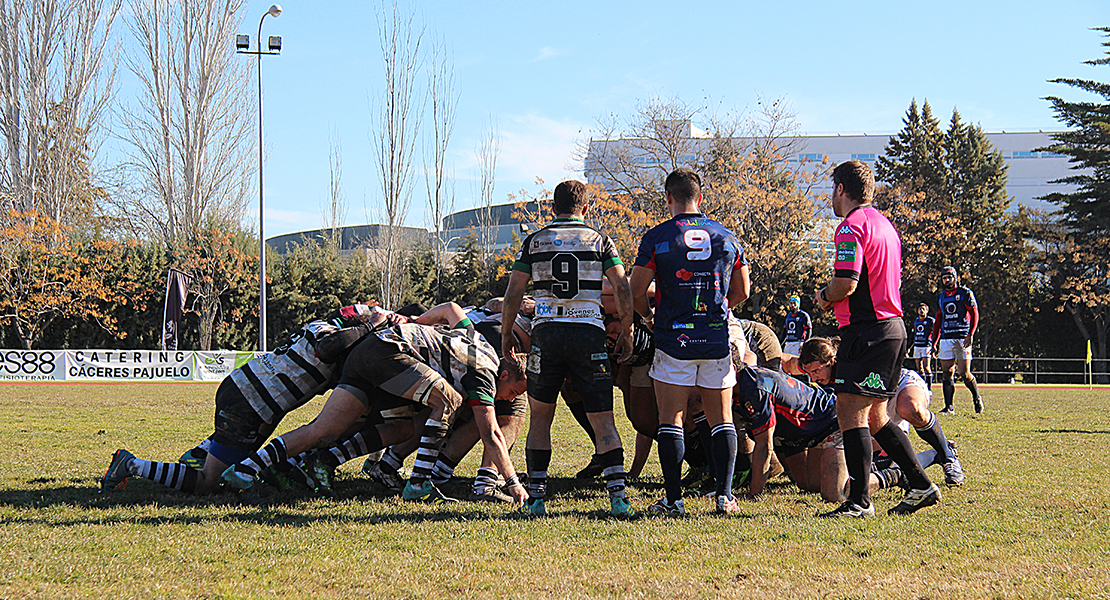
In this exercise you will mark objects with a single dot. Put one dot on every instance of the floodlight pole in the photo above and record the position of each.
(275, 10)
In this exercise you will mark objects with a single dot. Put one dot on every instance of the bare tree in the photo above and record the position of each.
(335, 212)
(487, 152)
(57, 75)
(398, 126)
(190, 134)
(191, 130)
(444, 100)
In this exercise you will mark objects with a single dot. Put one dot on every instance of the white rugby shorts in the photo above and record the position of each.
(953, 349)
(712, 374)
(794, 348)
(921, 352)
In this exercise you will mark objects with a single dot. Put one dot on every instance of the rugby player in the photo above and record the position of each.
(953, 332)
(700, 273)
(798, 327)
(396, 372)
(865, 294)
(567, 261)
(254, 398)
(922, 343)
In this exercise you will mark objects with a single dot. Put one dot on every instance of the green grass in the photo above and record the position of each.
(1031, 522)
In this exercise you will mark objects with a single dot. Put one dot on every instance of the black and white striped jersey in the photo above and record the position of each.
(276, 383)
(567, 261)
(465, 360)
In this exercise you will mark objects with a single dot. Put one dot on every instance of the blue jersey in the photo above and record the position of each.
(802, 414)
(922, 331)
(798, 326)
(693, 258)
(955, 311)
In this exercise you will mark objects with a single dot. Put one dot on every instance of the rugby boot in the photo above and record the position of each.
(591, 470)
(491, 494)
(194, 458)
(662, 507)
(534, 507)
(118, 471)
(383, 475)
(425, 492)
(916, 500)
(619, 506)
(726, 505)
(977, 402)
(849, 510)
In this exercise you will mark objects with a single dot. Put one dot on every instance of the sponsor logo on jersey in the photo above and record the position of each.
(684, 275)
(716, 324)
(599, 356)
(682, 326)
(845, 230)
(558, 242)
(846, 251)
(873, 381)
(683, 340)
(544, 310)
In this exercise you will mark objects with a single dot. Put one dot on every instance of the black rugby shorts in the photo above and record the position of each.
(869, 360)
(570, 350)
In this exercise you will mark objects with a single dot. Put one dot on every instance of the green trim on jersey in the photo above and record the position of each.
(612, 262)
(463, 324)
(567, 219)
(479, 396)
(522, 267)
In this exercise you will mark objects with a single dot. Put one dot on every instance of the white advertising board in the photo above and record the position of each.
(32, 365)
(129, 365)
(215, 365)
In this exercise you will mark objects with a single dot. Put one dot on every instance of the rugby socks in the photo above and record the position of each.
(672, 445)
(949, 388)
(172, 475)
(897, 446)
(934, 436)
(538, 461)
(444, 470)
(485, 480)
(351, 448)
(613, 472)
(428, 451)
(742, 472)
(270, 454)
(971, 384)
(579, 412)
(391, 460)
(857, 457)
(705, 437)
(724, 457)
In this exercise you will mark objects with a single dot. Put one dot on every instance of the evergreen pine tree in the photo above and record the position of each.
(915, 156)
(1087, 142)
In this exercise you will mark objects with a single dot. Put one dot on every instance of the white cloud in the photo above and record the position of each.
(548, 52)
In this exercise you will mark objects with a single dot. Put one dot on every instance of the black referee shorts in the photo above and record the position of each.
(869, 360)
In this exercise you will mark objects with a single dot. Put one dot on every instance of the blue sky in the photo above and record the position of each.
(545, 71)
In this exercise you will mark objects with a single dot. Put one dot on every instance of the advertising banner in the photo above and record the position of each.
(32, 365)
(128, 365)
(214, 366)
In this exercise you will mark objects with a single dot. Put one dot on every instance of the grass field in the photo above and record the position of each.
(1031, 522)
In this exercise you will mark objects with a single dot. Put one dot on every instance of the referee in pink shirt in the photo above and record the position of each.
(865, 295)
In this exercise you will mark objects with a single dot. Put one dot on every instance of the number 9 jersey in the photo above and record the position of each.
(693, 257)
(567, 261)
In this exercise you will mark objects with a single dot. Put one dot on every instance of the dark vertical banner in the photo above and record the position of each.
(177, 287)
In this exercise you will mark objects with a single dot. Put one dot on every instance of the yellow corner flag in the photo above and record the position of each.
(1088, 351)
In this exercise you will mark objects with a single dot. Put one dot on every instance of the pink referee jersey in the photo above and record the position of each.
(869, 251)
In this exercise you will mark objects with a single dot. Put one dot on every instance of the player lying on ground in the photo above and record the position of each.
(254, 398)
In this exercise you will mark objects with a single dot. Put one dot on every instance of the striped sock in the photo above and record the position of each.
(428, 451)
(724, 457)
(271, 453)
(444, 470)
(613, 472)
(672, 445)
(350, 449)
(389, 457)
(485, 480)
(538, 461)
(172, 475)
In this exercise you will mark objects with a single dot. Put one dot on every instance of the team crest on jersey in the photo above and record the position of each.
(683, 340)
(874, 382)
(845, 230)
(846, 251)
